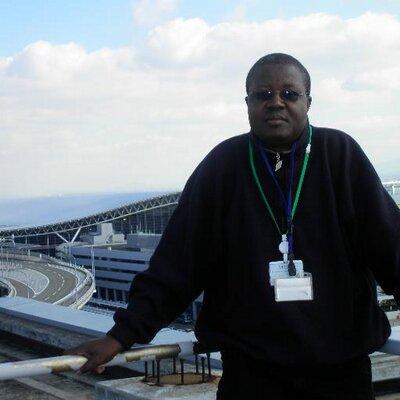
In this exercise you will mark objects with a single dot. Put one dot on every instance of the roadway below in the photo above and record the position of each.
(59, 282)
(21, 289)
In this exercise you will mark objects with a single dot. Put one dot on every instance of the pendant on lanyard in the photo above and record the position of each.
(286, 245)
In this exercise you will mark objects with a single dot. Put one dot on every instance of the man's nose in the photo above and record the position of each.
(276, 101)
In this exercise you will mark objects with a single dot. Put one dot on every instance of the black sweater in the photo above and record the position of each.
(220, 239)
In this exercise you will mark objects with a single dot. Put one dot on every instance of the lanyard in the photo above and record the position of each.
(287, 202)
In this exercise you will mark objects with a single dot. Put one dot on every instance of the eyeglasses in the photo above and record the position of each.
(285, 95)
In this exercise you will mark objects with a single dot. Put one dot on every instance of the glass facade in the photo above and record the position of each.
(151, 221)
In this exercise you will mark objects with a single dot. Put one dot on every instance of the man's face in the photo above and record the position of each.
(276, 121)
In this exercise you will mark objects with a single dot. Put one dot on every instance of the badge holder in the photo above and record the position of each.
(290, 288)
(294, 289)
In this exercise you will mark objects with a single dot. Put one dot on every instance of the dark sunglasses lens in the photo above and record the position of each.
(263, 96)
(290, 95)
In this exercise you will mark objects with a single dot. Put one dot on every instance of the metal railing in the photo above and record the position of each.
(154, 354)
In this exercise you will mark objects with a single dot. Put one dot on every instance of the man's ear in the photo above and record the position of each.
(309, 101)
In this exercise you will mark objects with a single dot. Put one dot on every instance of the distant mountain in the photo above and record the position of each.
(16, 213)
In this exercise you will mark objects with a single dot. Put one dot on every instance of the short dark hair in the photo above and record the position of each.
(279, 59)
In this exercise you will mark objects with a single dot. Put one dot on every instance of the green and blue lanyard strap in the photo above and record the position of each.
(289, 205)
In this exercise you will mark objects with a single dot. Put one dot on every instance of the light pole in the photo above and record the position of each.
(76, 282)
(92, 258)
(72, 263)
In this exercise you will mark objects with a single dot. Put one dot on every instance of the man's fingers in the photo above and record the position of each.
(97, 351)
(99, 370)
(90, 365)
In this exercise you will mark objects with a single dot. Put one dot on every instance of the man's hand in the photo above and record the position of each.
(98, 352)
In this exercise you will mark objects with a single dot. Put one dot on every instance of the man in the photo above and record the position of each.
(285, 229)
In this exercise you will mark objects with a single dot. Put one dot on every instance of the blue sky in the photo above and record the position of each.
(109, 23)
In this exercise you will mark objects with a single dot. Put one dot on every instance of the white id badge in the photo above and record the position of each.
(294, 288)
(279, 269)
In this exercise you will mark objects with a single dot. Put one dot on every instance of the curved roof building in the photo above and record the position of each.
(150, 215)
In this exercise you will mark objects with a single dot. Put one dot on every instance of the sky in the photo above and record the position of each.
(125, 96)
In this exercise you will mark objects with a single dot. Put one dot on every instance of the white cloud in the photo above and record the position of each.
(180, 40)
(124, 119)
(149, 12)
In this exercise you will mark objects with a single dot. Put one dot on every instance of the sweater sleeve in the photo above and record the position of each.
(375, 228)
(175, 276)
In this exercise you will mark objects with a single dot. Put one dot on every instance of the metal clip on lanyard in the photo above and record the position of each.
(287, 202)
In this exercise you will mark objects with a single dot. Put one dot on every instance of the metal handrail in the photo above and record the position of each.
(42, 366)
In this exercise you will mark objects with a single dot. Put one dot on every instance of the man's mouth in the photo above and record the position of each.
(275, 120)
